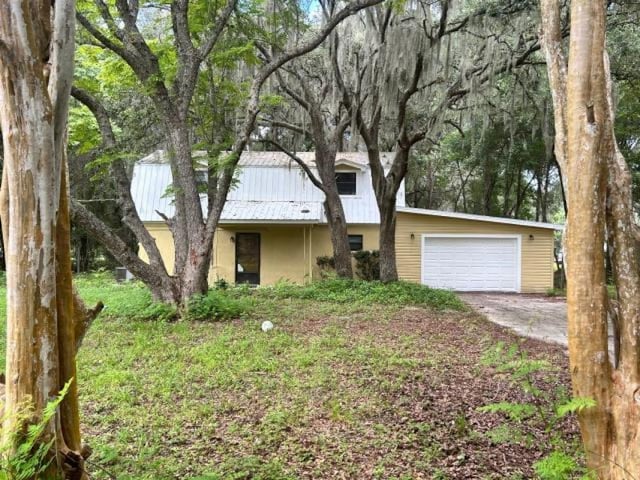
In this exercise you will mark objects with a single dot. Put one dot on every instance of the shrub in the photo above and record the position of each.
(368, 264)
(215, 305)
(359, 291)
(157, 311)
(221, 284)
(326, 262)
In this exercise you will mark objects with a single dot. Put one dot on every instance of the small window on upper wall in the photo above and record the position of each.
(202, 181)
(346, 182)
(355, 242)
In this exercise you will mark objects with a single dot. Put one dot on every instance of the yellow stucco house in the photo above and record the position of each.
(273, 228)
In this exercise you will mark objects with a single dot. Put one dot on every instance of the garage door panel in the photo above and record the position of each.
(471, 263)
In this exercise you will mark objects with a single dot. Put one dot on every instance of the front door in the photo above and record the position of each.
(248, 258)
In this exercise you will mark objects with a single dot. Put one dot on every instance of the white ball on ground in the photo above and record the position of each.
(266, 326)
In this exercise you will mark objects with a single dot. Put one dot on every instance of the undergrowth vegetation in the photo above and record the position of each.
(225, 302)
(366, 292)
(24, 452)
(542, 407)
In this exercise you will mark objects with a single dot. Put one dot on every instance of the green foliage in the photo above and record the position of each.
(515, 411)
(516, 362)
(158, 311)
(26, 453)
(556, 292)
(575, 405)
(555, 466)
(364, 292)
(326, 262)
(368, 264)
(215, 305)
(221, 284)
(544, 407)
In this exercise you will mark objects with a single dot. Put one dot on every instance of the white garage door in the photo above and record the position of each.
(471, 263)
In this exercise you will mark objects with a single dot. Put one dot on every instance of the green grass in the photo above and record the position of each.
(334, 389)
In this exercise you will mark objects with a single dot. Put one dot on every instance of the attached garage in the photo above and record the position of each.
(465, 252)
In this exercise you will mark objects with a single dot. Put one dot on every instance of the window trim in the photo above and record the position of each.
(360, 237)
(355, 183)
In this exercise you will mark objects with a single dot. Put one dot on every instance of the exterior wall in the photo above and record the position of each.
(284, 253)
(287, 252)
(536, 255)
(164, 240)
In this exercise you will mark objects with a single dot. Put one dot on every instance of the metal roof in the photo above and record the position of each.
(278, 159)
(269, 188)
(480, 218)
(239, 211)
(272, 188)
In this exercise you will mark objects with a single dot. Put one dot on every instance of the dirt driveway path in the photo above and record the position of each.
(534, 316)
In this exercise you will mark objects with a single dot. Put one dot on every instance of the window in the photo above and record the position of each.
(346, 182)
(202, 181)
(355, 242)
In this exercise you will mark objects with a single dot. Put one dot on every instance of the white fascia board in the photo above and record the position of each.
(480, 218)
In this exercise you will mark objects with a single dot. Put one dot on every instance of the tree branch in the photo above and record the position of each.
(253, 109)
(125, 200)
(300, 162)
(91, 224)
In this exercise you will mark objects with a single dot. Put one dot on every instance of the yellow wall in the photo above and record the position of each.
(284, 252)
(537, 254)
(287, 252)
(164, 241)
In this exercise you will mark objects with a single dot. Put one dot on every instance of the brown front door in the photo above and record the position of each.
(248, 258)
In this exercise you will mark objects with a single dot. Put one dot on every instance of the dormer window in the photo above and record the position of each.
(346, 182)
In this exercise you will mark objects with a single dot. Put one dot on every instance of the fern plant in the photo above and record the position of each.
(543, 408)
(24, 454)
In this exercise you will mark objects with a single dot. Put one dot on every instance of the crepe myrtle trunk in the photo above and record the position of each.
(45, 320)
(600, 209)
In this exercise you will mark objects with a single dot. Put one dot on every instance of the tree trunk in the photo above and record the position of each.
(598, 194)
(36, 71)
(339, 235)
(388, 267)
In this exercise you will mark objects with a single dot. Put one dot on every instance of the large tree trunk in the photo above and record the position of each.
(36, 71)
(388, 267)
(598, 194)
(339, 235)
(334, 210)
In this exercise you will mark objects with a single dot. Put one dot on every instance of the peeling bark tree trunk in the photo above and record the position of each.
(598, 194)
(36, 71)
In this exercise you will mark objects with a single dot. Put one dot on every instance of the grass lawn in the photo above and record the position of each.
(347, 386)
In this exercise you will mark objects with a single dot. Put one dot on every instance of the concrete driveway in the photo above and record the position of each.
(536, 316)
